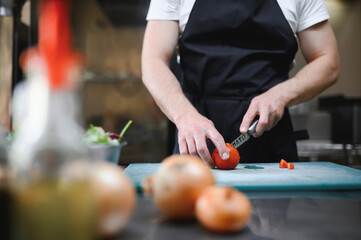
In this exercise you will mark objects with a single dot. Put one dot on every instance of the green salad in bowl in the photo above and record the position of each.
(104, 145)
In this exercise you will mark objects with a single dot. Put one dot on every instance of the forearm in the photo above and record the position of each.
(160, 41)
(310, 81)
(165, 89)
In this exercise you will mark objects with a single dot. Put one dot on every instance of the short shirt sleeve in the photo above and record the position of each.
(164, 10)
(311, 12)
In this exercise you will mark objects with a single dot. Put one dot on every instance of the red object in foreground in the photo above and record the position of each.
(228, 164)
(283, 164)
(55, 43)
(291, 166)
(114, 136)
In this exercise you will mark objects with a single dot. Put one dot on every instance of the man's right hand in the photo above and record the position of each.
(193, 132)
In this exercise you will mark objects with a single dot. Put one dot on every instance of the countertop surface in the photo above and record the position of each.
(272, 218)
(318, 213)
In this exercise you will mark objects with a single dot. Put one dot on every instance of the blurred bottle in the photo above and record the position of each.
(51, 187)
(5, 200)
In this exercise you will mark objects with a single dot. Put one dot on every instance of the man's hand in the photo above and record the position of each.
(269, 106)
(193, 131)
(319, 47)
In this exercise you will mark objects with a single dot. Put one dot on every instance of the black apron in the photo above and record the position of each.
(232, 51)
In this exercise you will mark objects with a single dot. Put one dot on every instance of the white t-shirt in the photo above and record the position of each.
(300, 14)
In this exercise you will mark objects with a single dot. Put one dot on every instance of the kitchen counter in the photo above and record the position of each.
(272, 218)
(310, 202)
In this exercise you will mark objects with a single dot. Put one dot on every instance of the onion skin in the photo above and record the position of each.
(147, 184)
(223, 209)
(115, 197)
(177, 184)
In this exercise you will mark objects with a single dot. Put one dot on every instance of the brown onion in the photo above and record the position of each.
(115, 197)
(223, 209)
(177, 184)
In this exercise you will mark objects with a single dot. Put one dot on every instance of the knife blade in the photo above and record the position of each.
(245, 136)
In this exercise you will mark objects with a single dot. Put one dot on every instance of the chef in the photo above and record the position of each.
(235, 57)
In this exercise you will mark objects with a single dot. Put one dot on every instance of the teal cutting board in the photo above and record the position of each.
(306, 176)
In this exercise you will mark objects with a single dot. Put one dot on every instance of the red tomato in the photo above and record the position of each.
(291, 166)
(231, 162)
(283, 164)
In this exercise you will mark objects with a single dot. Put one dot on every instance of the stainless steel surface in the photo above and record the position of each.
(272, 218)
(346, 118)
(245, 136)
(240, 140)
(320, 146)
(316, 150)
(317, 124)
(252, 128)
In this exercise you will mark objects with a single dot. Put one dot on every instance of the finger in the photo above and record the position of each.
(203, 151)
(191, 146)
(261, 126)
(271, 121)
(183, 149)
(220, 144)
(248, 119)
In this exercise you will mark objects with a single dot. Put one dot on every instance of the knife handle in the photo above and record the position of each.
(252, 128)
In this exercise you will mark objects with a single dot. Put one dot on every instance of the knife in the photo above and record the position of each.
(245, 136)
